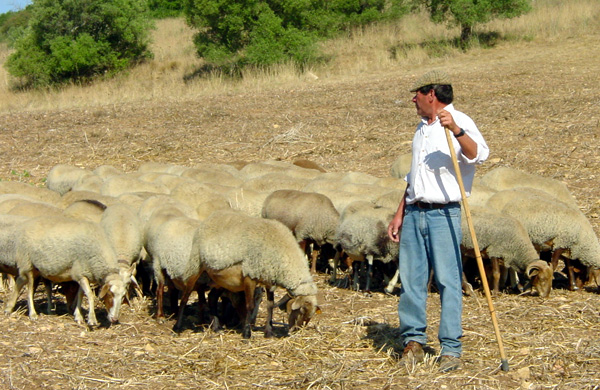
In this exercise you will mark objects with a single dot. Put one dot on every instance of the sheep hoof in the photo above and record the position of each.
(247, 332)
(33, 317)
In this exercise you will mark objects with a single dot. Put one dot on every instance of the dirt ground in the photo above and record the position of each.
(537, 106)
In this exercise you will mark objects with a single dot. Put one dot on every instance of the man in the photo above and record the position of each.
(429, 218)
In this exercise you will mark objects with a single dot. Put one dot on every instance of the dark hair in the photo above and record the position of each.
(443, 92)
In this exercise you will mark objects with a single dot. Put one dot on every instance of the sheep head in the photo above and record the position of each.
(540, 273)
(112, 294)
(300, 310)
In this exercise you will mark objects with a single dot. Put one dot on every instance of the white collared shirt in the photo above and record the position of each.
(432, 178)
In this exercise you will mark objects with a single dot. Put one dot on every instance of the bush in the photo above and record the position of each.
(165, 8)
(77, 40)
(234, 34)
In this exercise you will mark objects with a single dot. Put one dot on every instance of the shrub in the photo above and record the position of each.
(77, 40)
(264, 32)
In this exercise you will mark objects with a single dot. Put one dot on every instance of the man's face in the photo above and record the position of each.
(423, 103)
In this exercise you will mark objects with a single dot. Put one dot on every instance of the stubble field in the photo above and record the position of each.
(536, 103)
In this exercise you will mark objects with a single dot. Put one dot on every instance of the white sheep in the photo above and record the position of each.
(62, 249)
(274, 181)
(310, 216)
(555, 227)
(505, 178)
(62, 177)
(31, 191)
(362, 235)
(240, 252)
(127, 183)
(169, 245)
(401, 166)
(504, 241)
(247, 201)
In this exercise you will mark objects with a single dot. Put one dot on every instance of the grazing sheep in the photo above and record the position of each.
(505, 178)
(362, 235)
(118, 185)
(168, 180)
(62, 249)
(274, 181)
(248, 201)
(505, 243)
(310, 216)
(239, 252)
(88, 183)
(200, 197)
(31, 191)
(77, 195)
(106, 171)
(401, 166)
(33, 209)
(553, 226)
(162, 168)
(213, 176)
(86, 210)
(124, 231)
(169, 245)
(480, 193)
(62, 177)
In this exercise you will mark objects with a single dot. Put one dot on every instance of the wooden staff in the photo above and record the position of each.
(486, 287)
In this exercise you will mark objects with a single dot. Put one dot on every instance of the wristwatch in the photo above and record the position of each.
(460, 133)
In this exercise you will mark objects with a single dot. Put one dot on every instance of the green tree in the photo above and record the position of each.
(265, 32)
(165, 8)
(468, 13)
(77, 40)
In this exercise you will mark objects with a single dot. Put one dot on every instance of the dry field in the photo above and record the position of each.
(536, 102)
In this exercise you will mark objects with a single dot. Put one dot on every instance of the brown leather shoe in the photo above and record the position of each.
(449, 363)
(413, 353)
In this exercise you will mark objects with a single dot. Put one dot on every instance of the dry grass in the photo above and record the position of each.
(535, 101)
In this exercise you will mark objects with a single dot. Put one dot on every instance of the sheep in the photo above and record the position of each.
(62, 177)
(248, 201)
(362, 235)
(91, 182)
(553, 226)
(168, 180)
(169, 245)
(62, 249)
(480, 193)
(401, 166)
(28, 208)
(214, 176)
(124, 231)
(31, 191)
(270, 182)
(240, 252)
(504, 178)
(257, 169)
(117, 185)
(106, 171)
(200, 197)
(505, 243)
(310, 216)
(162, 168)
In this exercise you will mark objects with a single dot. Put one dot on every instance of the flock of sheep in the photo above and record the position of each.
(233, 230)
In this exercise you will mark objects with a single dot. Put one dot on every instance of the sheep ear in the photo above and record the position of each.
(103, 291)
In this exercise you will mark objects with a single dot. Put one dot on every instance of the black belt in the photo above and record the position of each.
(430, 206)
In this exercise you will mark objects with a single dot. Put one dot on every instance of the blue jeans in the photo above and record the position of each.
(430, 240)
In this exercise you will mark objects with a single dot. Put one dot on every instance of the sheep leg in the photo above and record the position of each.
(570, 274)
(466, 286)
(77, 312)
(30, 290)
(269, 320)
(213, 301)
(369, 273)
(48, 288)
(314, 255)
(20, 281)
(355, 274)
(556, 255)
(495, 275)
(160, 289)
(392, 283)
(249, 286)
(85, 286)
(185, 296)
(334, 266)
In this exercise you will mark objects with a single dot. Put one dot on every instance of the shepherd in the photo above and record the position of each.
(427, 223)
